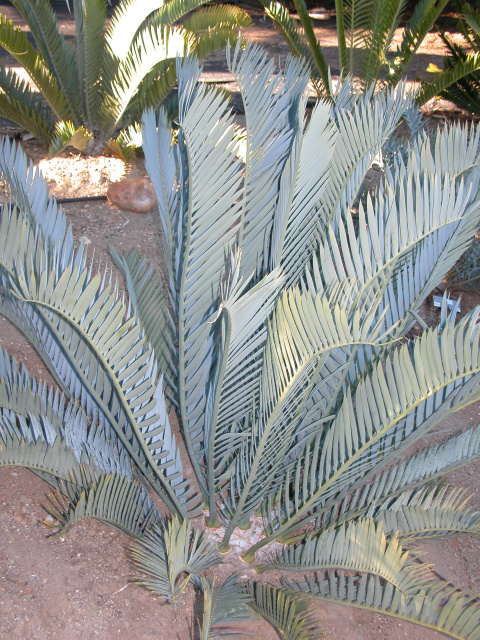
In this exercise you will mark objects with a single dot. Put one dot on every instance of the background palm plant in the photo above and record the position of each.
(461, 88)
(365, 30)
(92, 95)
(281, 341)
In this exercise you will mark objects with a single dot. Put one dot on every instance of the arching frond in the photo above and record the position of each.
(424, 514)
(215, 17)
(149, 48)
(409, 257)
(422, 469)
(125, 23)
(24, 106)
(15, 41)
(53, 53)
(439, 606)
(100, 359)
(393, 407)
(360, 546)
(152, 92)
(302, 334)
(113, 499)
(445, 79)
(360, 137)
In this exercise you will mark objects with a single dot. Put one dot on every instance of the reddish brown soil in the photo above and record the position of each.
(80, 586)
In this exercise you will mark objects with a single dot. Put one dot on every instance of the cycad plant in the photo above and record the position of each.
(281, 340)
(365, 30)
(463, 89)
(91, 94)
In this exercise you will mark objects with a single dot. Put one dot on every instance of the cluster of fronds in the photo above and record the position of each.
(281, 341)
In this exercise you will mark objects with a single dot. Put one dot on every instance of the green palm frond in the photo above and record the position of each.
(424, 514)
(149, 48)
(90, 59)
(24, 106)
(66, 134)
(464, 90)
(354, 18)
(222, 605)
(16, 111)
(113, 499)
(206, 42)
(153, 91)
(15, 41)
(171, 13)
(442, 85)
(57, 55)
(424, 16)
(314, 45)
(217, 17)
(167, 552)
(283, 609)
(360, 546)
(127, 19)
(296, 40)
(439, 606)
(383, 19)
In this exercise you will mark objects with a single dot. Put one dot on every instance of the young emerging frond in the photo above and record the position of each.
(168, 552)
